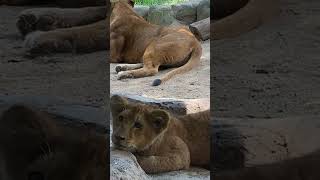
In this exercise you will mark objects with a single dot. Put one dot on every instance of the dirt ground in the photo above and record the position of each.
(80, 77)
(272, 71)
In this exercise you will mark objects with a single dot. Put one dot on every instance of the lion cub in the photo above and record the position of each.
(134, 40)
(160, 141)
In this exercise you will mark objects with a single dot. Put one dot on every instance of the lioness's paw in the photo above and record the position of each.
(40, 42)
(124, 75)
(120, 68)
(26, 23)
(36, 19)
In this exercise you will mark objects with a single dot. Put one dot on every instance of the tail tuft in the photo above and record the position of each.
(156, 82)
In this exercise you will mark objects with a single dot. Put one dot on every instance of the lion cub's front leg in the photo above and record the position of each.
(175, 158)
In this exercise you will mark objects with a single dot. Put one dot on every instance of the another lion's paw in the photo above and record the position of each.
(36, 19)
(40, 42)
(120, 68)
(124, 75)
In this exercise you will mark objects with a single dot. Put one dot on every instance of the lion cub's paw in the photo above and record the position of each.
(40, 42)
(124, 75)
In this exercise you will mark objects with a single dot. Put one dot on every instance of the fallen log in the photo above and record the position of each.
(201, 29)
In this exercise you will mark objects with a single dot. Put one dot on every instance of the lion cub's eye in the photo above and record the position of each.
(137, 125)
(120, 118)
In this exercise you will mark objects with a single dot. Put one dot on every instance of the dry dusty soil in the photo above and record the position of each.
(272, 71)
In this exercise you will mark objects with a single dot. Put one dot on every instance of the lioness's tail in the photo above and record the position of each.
(253, 14)
(193, 61)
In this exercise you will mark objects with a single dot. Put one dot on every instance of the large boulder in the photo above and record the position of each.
(161, 15)
(185, 12)
(203, 10)
(142, 10)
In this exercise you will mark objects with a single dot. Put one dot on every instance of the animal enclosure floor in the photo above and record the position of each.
(272, 71)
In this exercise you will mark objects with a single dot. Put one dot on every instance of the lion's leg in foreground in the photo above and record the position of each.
(46, 19)
(86, 38)
(127, 67)
(177, 157)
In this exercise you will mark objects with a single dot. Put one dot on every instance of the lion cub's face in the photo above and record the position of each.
(136, 126)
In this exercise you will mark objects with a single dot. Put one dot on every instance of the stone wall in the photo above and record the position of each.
(183, 13)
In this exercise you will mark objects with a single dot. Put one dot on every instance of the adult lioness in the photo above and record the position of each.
(160, 141)
(76, 29)
(134, 40)
(35, 147)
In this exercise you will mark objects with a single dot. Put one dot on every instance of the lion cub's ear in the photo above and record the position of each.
(131, 2)
(117, 104)
(159, 120)
(20, 116)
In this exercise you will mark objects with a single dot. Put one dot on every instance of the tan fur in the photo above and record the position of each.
(34, 146)
(252, 15)
(134, 40)
(86, 38)
(163, 142)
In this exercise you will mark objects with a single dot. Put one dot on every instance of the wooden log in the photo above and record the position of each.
(201, 29)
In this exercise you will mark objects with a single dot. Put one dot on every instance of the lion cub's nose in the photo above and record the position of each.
(120, 138)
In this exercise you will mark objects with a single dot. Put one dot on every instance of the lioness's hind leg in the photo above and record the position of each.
(46, 19)
(137, 73)
(88, 38)
(126, 67)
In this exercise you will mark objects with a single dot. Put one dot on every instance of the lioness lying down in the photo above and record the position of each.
(134, 40)
(160, 141)
(76, 29)
(34, 147)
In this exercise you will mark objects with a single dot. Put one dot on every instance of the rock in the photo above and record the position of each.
(124, 166)
(185, 12)
(203, 10)
(175, 106)
(142, 10)
(190, 174)
(161, 15)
